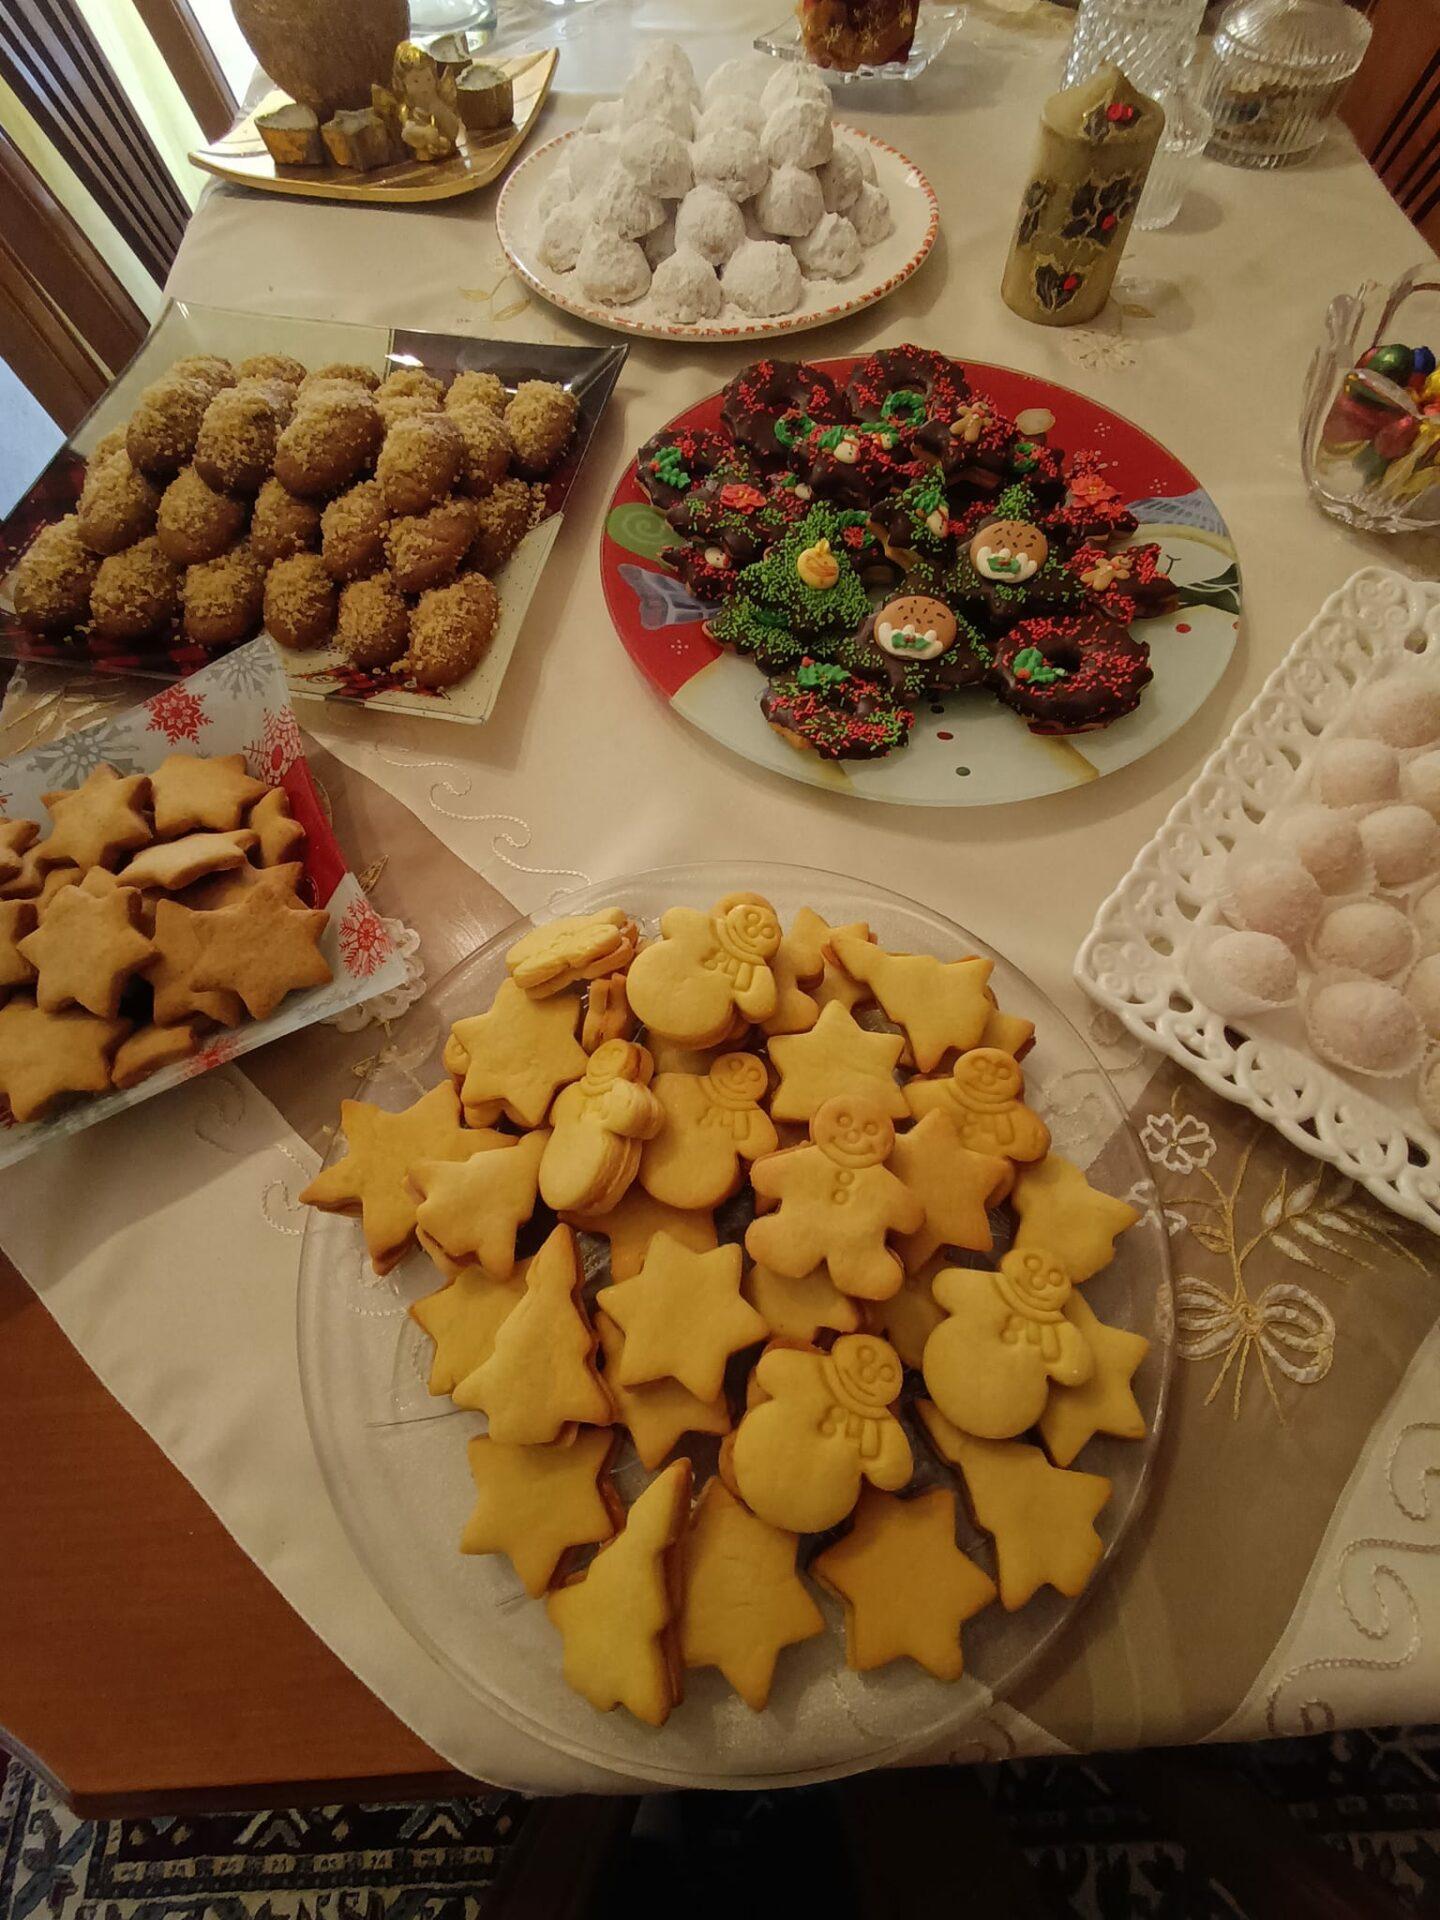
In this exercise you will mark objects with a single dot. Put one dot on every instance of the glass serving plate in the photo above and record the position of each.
(932, 35)
(394, 1459)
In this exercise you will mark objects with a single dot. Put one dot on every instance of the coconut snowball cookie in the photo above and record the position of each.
(754, 163)
(656, 158)
(790, 203)
(685, 287)
(762, 278)
(710, 224)
(611, 270)
(831, 250)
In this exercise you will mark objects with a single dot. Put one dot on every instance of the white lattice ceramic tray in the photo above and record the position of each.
(1133, 961)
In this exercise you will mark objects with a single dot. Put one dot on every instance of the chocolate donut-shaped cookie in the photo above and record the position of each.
(1070, 675)
(825, 708)
(917, 646)
(1132, 585)
(879, 385)
(741, 514)
(971, 444)
(711, 573)
(673, 461)
(772, 403)
(856, 465)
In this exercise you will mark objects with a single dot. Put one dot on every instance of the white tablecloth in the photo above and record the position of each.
(584, 772)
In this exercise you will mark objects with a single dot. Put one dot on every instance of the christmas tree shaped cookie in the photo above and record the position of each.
(540, 1379)
(473, 1210)
(942, 1005)
(618, 1620)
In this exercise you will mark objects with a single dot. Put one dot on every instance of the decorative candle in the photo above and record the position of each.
(1096, 144)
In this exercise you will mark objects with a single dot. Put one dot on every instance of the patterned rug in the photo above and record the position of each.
(1375, 1796)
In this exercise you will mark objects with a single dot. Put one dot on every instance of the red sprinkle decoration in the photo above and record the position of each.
(1071, 281)
(1107, 223)
(1182, 626)
(1119, 114)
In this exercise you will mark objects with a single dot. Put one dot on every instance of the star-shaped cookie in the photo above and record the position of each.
(799, 964)
(381, 1148)
(260, 949)
(540, 1379)
(176, 949)
(954, 1185)
(226, 889)
(150, 1049)
(1008, 1033)
(633, 1224)
(17, 918)
(1042, 1519)
(87, 948)
(534, 1503)
(796, 1309)
(907, 1587)
(908, 1318)
(44, 1055)
(810, 938)
(743, 1602)
(473, 1209)
(521, 1052)
(1060, 1211)
(1105, 1402)
(659, 1415)
(836, 1056)
(942, 1005)
(98, 821)
(280, 835)
(618, 1620)
(173, 864)
(193, 790)
(463, 1319)
(682, 1317)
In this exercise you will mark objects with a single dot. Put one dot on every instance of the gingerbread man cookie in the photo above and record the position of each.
(983, 1096)
(837, 1202)
(713, 1121)
(599, 1124)
(1005, 1337)
(704, 969)
(798, 1457)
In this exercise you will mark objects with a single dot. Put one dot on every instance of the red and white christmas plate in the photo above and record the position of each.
(238, 704)
(913, 205)
(968, 750)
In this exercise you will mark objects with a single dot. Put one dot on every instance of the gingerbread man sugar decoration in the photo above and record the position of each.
(837, 1200)
(706, 968)
(983, 1096)
(713, 1121)
(599, 1123)
(1005, 1337)
(798, 1457)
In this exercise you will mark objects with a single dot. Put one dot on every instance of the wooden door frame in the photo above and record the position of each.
(67, 325)
(188, 54)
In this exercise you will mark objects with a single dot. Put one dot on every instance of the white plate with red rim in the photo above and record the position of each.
(913, 206)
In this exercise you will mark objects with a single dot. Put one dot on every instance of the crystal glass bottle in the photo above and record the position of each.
(1277, 70)
(1149, 40)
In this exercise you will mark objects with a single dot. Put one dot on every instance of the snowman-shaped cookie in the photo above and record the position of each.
(798, 1457)
(704, 970)
(1005, 1337)
(599, 1124)
(982, 1094)
(837, 1200)
(712, 1122)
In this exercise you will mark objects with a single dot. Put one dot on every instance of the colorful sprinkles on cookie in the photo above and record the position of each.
(903, 540)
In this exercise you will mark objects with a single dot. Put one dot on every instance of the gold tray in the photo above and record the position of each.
(481, 157)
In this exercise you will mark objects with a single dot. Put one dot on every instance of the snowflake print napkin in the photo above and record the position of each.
(239, 704)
